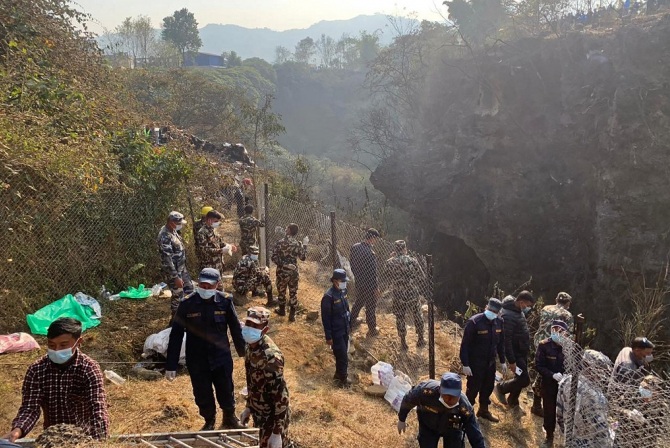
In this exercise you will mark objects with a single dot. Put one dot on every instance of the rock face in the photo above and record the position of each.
(545, 158)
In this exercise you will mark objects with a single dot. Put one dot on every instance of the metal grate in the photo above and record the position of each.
(229, 438)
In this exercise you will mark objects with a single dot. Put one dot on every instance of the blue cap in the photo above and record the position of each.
(450, 384)
(559, 323)
(339, 274)
(494, 305)
(209, 275)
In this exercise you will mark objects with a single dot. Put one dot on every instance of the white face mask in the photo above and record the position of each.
(60, 356)
(342, 286)
(448, 406)
(648, 358)
(206, 293)
(254, 257)
(179, 226)
(216, 224)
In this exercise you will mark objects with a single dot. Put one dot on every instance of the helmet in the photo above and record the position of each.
(206, 209)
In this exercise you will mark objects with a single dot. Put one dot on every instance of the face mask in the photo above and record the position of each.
(60, 356)
(179, 227)
(254, 257)
(490, 315)
(342, 286)
(216, 224)
(447, 405)
(556, 337)
(206, 293)
(649, 358)
(645, 393)
(251, 335)
(526, 310)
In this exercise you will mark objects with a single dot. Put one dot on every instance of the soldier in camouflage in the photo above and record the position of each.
(285, 255)
(201, 222)
(173, 259)
(268, 399)
(209, 244)
(248, 226)
(549, 314)
(250, 276)
(405, 274)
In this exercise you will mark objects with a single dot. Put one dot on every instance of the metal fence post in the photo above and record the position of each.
(579, 330)
(333, 239)
(431, 318)
(266, 198)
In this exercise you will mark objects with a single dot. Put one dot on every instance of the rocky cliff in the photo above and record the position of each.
(544, 158)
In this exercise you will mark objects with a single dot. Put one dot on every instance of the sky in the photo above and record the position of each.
(274, 14)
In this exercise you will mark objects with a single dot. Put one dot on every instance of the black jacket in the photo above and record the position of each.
(364, 266)
(549, 359)
(482, 340)
(515, 327)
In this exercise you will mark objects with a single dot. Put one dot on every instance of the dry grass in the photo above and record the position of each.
(322, 416)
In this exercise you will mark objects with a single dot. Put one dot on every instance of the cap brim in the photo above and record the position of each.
(254, 320)
(452, 392)
(345, 280)
(211, 281)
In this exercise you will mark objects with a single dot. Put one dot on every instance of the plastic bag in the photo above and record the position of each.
(17, 342)
(382, 373)
(65, 307)
(400, 385)
(135, 293)
(158, 343)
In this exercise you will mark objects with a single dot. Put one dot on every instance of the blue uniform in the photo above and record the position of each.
(208, 356)
(549, 360)
(482, 340)
(436, 421)
(335, 316)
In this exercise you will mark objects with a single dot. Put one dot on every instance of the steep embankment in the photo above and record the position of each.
(546, 158)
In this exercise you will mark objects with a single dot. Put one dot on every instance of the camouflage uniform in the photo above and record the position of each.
(210, 248)
(286, 253)
(268, 397)
(248, 276)
(173, 264)
(591, 427)
(405, 273)
(199, 224)
(248, 226)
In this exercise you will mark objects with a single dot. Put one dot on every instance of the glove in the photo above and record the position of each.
(275, 441)
(467, 371)
(305, 241)
(503, 367)
(401, 427)
(557, 376)
(244, 416)
(170, 375)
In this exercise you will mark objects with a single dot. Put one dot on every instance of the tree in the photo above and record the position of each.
(326, 48)
(181, 29)
(282, 54)
(232, 59)
(368, 47)
(263, 67)
(136, 38)
(305, 50)
(477, 20)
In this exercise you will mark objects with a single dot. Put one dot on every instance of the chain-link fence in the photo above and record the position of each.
(607, 407)
(389, 288)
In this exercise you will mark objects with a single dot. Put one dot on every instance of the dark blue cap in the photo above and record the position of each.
(450, 384)
(339, 274)
(559, 323)
(494, 305)
(209, 275)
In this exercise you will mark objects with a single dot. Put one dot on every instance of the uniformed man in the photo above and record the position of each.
(285, 255)
(364, 267)
(550, 313)
(444, 412)
(335, 317)
(517, 347)
(248, 226)
(201, 222)
(549, 363)
(406, 274)
(630, 365)
(206, 316)
(173, 259)
(483, 339)
(268, 399)
(210, 246)
(250, 276)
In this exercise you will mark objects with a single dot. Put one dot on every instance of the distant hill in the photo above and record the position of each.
(261, 42)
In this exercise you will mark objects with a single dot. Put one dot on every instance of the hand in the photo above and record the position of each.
(512, 368)
(329, 342)
(291, 266)
(234, 247)
(503, 367)
(244, 416)
(275, 441)
(170, 375)
(178, 283)
(305, 241)
(13, 435)
(467, 371)
(557, 377)
(401, 427)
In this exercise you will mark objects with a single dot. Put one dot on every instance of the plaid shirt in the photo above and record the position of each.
(73, 393)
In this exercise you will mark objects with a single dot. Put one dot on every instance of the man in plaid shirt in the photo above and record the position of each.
(65, 384)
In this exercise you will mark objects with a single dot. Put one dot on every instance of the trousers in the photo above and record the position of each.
(514, 386)
(365, 298)
(549, 394)
(481, 383)
(341, 352)
(203, 379)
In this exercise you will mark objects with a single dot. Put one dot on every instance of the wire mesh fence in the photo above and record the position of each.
(389, 287)
(607, 408)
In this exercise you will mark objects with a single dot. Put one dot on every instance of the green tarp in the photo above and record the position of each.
(66, 307)
(135, 293)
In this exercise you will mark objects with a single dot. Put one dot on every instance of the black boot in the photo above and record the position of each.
(209, 424)
(342, 381)
(291, 314)
(536, 409)
(281, 310)
(271, 300)
(421, 342)
(230, 420)
(484, 413)
(403, 342)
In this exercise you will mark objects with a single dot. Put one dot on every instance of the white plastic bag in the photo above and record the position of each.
(382, 373)
(158, 343)
(400, 385)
